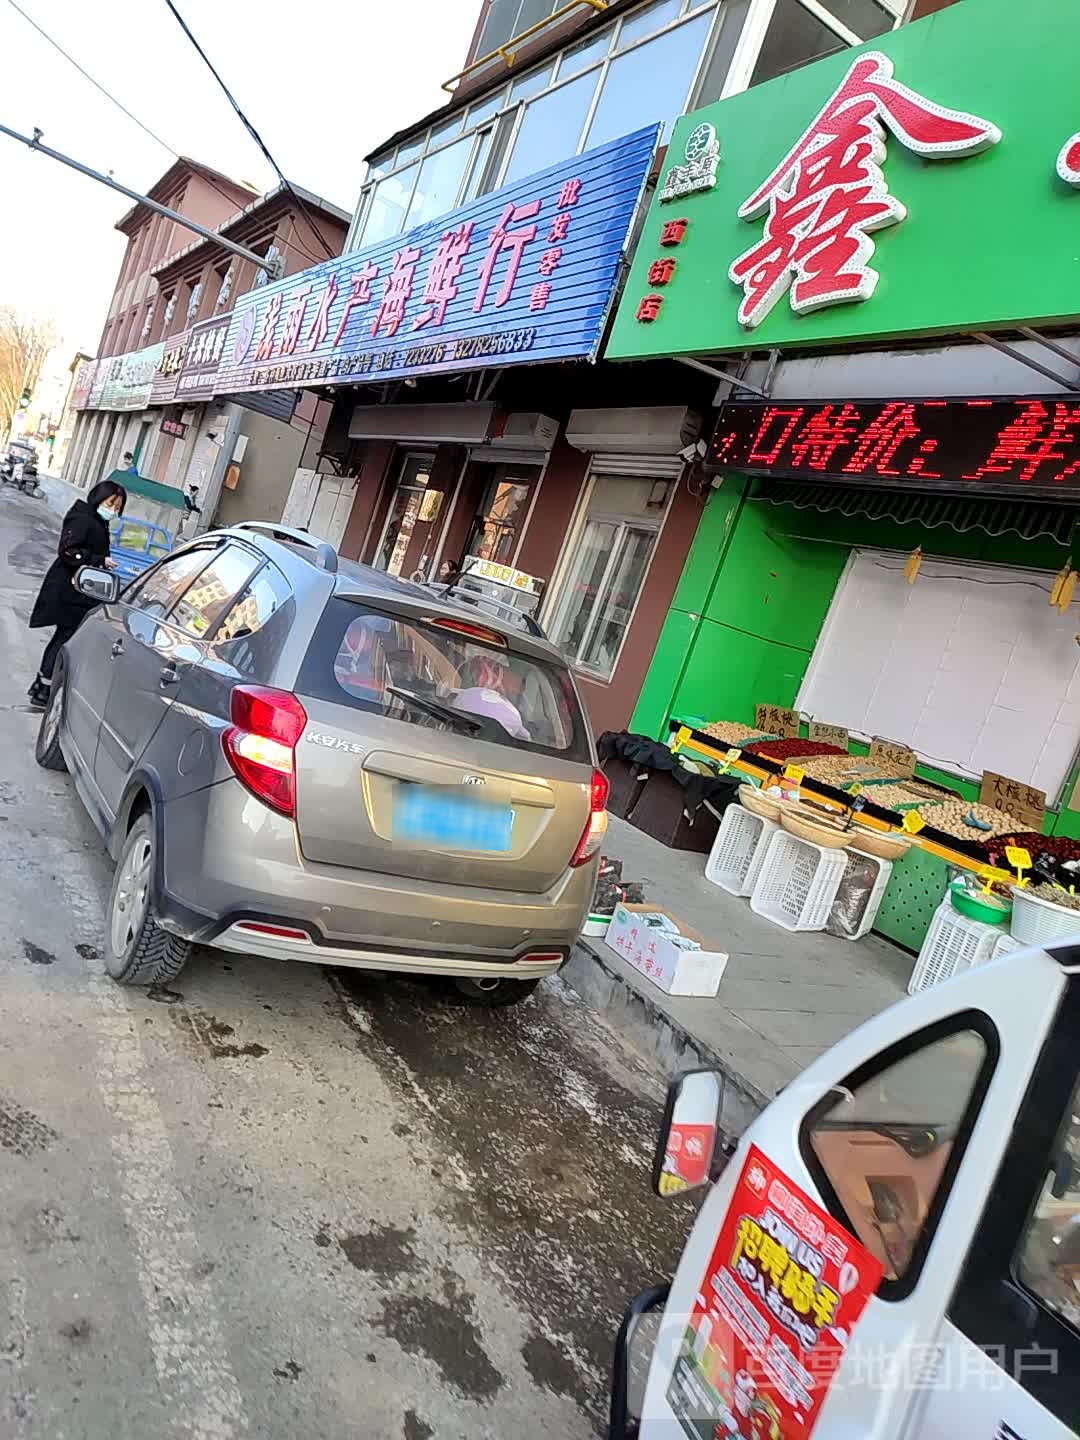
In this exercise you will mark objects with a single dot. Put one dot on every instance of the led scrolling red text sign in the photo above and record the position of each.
(1031, 444)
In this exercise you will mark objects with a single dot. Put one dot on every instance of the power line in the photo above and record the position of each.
(293, 245)
(316, 232)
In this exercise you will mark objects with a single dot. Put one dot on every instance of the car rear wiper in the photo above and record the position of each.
(436, 708)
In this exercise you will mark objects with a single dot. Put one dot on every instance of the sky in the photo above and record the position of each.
(323, 84)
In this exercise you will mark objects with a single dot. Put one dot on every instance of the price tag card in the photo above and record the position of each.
(729, 759)
(913, 822)
(1014, 797)
(829, 734)
(1018, 857)
(891, 752)
(682, 737)
(854, 790)
(795, 773)
(777, 720)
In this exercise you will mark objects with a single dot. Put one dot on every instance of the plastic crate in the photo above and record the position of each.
(859, 896)
(797, 883)
(1005, 943)
(735, 859)
(953, 944)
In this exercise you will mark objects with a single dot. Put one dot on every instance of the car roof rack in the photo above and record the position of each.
(325, 555)
(504, 609)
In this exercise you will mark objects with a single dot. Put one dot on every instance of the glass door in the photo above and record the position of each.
(414, 508)
(501, 516)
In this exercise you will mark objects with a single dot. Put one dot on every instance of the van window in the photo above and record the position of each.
(442, 678)
(1048, 1260)
(884, 1153)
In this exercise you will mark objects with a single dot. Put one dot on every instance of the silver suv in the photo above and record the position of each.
(298, 757)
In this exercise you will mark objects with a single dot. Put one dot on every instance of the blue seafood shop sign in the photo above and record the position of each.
(524, 275)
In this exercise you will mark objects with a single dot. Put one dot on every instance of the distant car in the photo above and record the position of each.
(306, 759)
(135, 545)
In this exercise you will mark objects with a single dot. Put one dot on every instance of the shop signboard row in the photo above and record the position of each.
(124, 382)
(523, 275)
(1029, 445)
(925, 184)
(189, 363)
(83, 383)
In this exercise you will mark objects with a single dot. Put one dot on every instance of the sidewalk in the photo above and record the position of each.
(784, 999)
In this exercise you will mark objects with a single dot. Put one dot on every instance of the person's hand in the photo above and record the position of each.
(110, 564)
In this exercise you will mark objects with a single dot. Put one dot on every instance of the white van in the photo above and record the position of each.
(892, 1251)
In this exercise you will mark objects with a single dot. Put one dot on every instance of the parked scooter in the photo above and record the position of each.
(19, 468)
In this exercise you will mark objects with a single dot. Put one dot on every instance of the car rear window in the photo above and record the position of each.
(443, 678)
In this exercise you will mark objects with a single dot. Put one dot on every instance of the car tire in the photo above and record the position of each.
(496, 991)
(137, 950)
(47, 750)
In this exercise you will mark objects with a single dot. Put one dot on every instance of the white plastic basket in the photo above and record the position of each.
(1035, 920)
(1005, 943)
(859, 896)
(738, 850)
(953, 944)
(797, 883)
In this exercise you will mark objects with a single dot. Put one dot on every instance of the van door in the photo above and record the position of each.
(1011, 1345)
(898, 1133)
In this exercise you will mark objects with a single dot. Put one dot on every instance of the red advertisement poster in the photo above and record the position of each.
(782, 1292)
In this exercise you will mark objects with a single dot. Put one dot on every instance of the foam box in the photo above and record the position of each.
(672, 955)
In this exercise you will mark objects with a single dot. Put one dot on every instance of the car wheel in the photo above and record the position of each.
(494, 990)
(47, 750)
(138, 950)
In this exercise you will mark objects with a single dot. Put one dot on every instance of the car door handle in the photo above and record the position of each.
(169, 675)
(117, 648)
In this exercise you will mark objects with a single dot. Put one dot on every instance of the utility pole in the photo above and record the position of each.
(274, 267)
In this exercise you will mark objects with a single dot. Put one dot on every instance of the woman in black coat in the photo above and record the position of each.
(84, 540)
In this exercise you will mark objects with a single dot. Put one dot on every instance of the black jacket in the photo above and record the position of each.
(84, 540)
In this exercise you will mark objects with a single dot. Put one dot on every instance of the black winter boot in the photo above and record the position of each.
(39, 693)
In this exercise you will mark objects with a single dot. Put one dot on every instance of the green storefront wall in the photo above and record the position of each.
(750, 605)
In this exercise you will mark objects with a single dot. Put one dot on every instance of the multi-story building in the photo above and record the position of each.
(503, 441)
(152, 391)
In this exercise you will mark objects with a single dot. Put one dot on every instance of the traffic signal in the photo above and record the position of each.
(24, 399)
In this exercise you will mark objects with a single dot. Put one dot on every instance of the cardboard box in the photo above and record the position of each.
(672, 955)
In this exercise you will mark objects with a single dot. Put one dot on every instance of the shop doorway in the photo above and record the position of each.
(502, 512)
(410, 531)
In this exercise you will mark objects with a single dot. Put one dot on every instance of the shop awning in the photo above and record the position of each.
(151, 489)
(1029, 519)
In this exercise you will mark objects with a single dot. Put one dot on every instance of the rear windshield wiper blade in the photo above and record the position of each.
(436, 708)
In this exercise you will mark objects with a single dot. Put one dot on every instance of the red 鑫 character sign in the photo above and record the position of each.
(828, 194)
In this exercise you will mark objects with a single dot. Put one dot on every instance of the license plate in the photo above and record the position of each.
(433, 817)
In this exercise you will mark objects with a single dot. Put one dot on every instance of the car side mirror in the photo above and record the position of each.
(692, 1150)
(95, 584)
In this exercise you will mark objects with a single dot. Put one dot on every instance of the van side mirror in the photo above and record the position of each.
(692, 1150)
(100, 585)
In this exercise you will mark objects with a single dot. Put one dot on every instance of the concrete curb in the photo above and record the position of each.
(655, 1033)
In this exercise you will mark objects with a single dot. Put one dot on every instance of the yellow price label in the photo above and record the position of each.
(794, 773)
(729, 759)
(1018, 857)
(682, 737)
(913, 822)
(854, 790)
(989, 874)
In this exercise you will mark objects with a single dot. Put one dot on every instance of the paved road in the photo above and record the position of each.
(284, 1202)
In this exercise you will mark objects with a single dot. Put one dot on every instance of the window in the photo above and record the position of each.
(194, 296)
(206, 600)
(155, 590)
(725, 39)
(579, 57)
(551, 127)
(606, 571)
(252, 631)
(442, 679)
(439, 183)
(224, 286)
(647, 21)
(502, 514)
(793, 39)
(507, 18)
(1048, 1260)
(649, 83)
(885, 1152)
(388, 205)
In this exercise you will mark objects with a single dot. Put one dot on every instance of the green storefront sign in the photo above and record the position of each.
(922, 184)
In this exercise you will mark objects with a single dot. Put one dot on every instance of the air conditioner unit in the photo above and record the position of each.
(644, 430)
(524, 436)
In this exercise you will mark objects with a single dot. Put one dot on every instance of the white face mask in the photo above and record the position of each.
(106, 512)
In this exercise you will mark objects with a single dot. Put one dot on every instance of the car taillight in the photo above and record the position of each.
(596, 828)
(260, 743)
